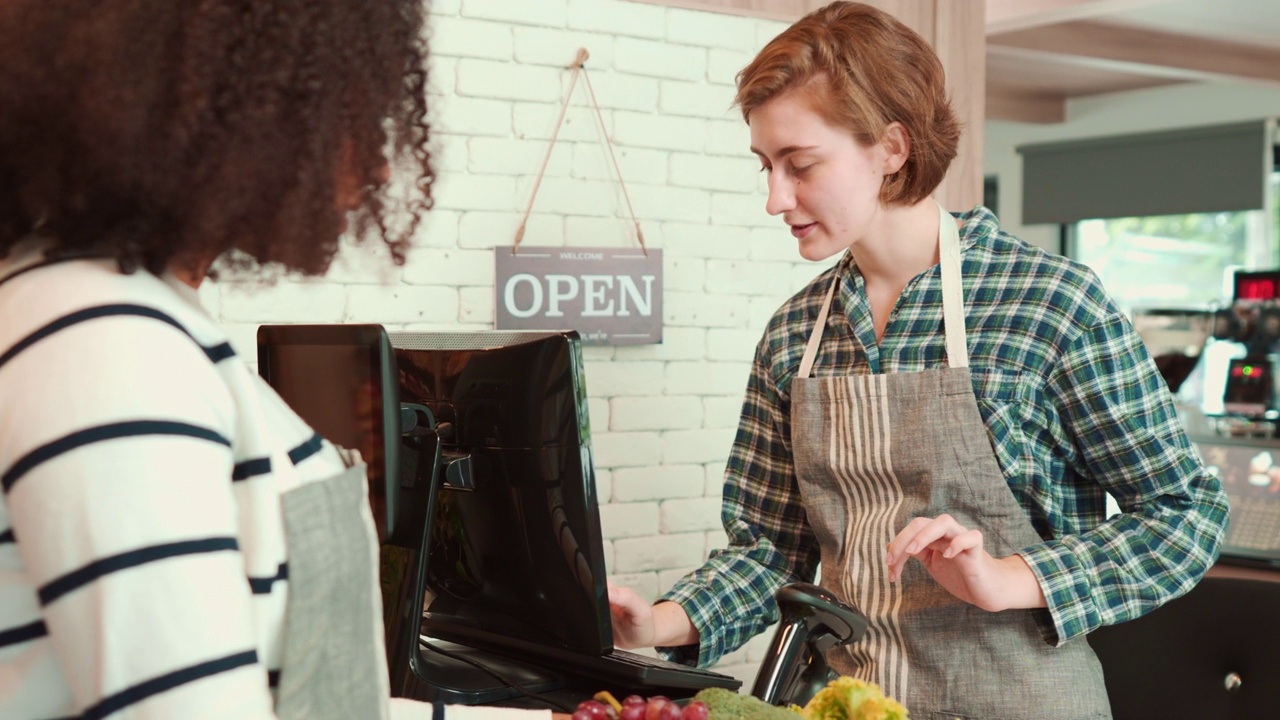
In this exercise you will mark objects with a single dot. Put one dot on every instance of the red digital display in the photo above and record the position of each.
(1258, 285)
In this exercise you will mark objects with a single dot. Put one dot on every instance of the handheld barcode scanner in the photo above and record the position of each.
(812, 622)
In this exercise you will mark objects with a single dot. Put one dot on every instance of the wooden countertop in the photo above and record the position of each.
(1243, 572)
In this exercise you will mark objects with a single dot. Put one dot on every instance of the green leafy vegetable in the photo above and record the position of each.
(728, 705)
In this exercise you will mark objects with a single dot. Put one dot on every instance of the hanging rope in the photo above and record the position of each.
(579, 66)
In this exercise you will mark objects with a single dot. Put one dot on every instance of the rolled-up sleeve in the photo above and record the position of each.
(730, 598)
(1123, 430)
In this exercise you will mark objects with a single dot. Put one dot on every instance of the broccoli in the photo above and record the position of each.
(727, 705)
(844, 698)
(848, 699)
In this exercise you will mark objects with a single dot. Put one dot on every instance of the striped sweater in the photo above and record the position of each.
(143, 566)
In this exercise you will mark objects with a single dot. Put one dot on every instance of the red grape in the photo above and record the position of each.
(635, 707)
(696, 710)
(654, 709)
(591, 710)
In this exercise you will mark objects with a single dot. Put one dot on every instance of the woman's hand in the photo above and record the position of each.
(633, 622)
(954, 556)
(637, 624)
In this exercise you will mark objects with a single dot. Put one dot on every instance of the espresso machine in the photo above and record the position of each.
(1245, 339)
(1229, 403)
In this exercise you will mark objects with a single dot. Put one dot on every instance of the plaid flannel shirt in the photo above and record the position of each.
(1074, 407)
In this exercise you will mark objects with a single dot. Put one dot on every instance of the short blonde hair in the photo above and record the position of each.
(867, 70)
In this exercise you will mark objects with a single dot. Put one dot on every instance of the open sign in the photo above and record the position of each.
(611, 296)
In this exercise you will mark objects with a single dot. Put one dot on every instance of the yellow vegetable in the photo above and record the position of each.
(607, 698)
(846, 698)
(842, 699)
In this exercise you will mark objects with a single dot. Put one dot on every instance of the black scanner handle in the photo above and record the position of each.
(813, 620)
(820, 608)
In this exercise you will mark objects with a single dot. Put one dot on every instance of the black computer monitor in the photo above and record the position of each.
(517, 558)
(487, 438)
(341, 379)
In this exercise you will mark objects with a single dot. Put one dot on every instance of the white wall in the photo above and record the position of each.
(664, 415)
(1164, 108)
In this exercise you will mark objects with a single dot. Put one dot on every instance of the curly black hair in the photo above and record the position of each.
(163, 132)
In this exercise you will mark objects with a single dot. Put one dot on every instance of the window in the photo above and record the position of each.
(1177, 261)
(991, 193)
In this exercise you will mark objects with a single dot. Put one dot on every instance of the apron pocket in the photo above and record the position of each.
(333, 667)
(994, 467)
(1000, 398)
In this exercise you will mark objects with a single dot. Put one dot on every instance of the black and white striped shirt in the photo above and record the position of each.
(143, 568)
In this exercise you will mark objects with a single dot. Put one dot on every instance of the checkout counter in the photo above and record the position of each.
(1249, 468)
(1214, 646)
(1222, 367)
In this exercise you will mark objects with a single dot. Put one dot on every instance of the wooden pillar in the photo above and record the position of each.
(956, 30)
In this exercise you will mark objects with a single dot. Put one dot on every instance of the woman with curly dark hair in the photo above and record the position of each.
(174, 541)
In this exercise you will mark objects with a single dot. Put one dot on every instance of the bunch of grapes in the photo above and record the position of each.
(635, 707)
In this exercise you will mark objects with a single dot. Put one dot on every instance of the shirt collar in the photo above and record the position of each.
(979, 223)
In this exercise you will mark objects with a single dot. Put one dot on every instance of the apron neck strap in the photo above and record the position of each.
(815, 337)
(952, 301)
(952, 290)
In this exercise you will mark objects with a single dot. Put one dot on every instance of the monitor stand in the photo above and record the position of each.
(456, 681)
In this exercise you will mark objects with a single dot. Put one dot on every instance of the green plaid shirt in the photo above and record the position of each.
(1073, 404)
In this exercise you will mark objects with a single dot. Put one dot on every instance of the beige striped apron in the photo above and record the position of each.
(874, 451)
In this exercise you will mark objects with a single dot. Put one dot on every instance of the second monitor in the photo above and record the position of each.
(519, 554)
(516, 560)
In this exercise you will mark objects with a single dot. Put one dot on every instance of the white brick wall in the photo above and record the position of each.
(283, 301)
(663, 416)
(498, 229)
(545, 46)
(696, 446)
(712, 30)
(655, 412)
(656, 58)
(624, 520)
(658, 483)
(461, 37)
(691, 514)
(618, 17)
(681, 550)
(554, 13)
(507, 81)
(472, 116)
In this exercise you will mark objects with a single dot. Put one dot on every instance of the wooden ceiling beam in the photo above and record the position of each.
(785, 10)
(1146, 51)
(1009, 15)
(1025, 107)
